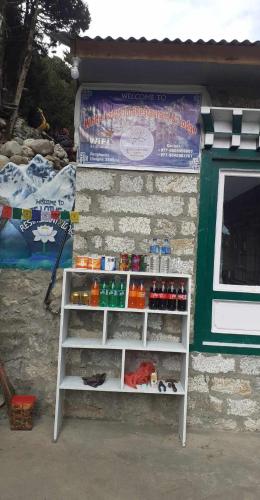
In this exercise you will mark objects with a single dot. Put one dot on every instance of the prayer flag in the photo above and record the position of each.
(27, 213)
(74, 217)
(7, 212)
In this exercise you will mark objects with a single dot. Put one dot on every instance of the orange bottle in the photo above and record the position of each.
(132, 295)
(140, 302)
(94, 293)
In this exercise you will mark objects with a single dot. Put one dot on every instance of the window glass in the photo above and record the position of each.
(240, 242)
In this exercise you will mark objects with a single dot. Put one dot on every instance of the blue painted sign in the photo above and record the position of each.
(34, 244)
(148, 130)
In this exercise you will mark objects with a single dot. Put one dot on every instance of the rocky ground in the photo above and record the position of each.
(26, 143)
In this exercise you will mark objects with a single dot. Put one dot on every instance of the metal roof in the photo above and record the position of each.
(169, 62)
(243, 43)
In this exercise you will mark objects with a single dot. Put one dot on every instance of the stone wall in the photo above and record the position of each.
(122, 211)
(224, 392)
(223, 389)
(29, 334)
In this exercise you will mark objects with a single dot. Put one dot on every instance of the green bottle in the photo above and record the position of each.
(103, 301)
(121, 294)
(112, 294)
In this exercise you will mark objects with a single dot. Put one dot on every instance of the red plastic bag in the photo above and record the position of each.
(141, 376)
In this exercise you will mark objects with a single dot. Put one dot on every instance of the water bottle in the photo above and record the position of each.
(165, 256)
(154, 256)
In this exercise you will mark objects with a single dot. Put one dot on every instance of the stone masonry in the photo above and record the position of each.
(121, 211)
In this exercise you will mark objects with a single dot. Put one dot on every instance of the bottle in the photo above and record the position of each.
(154, 256)
(163, 297)
(112, 294)
(132, 295)
(182, 298)
(121, 294)
(140, 300)
(75, 298)
(153, 296)
(94, 293)
(165, 252)
(84, 298)
(171, 299)
(103, 302)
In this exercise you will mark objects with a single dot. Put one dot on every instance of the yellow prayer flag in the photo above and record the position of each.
(26, 213)
(74, 217)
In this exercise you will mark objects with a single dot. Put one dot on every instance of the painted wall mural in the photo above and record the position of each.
(34, 244)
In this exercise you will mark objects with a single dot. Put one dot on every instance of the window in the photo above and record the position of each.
(237, 245)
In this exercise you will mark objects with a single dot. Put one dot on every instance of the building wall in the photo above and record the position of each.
(223, 389)
(122, 211)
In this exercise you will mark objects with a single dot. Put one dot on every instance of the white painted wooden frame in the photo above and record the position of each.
(218, 233)
(124, 345)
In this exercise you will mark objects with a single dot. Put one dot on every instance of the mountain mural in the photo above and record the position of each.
(26, 186)
(34, 244)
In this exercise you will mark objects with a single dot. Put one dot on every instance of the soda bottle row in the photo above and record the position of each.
(164, 296)
(105, 294)
(136, 295)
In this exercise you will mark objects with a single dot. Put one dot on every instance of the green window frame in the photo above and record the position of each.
(213, 161)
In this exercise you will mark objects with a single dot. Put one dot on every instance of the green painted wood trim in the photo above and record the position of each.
(212, 161)
(208, 121)
(241, 351)
(236, 124)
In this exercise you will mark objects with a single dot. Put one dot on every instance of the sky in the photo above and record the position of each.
(194, 19)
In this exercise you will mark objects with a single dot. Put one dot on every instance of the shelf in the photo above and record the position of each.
(79, 307)
(127, 344)
(76, 384)
(125, 273)
(126, 348)
(79, 343)
(131, 344)
(175, 313)
(167, 346)
(113, 385)
(150, 390)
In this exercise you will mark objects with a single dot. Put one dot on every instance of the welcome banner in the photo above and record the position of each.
(36, 212)
(145, 130)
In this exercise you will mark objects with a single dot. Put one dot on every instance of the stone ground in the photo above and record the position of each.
(104, 461)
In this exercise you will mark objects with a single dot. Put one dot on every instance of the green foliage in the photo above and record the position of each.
(73, 15)
(49, 86)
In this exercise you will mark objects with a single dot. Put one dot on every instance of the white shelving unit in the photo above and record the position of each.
(124, 345)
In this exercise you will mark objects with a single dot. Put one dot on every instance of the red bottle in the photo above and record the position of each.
(182, 298)
(163, 297)
(172, 296)
(153, 296)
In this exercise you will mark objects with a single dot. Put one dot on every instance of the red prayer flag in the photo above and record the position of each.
(7, 212)
(55, 214)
